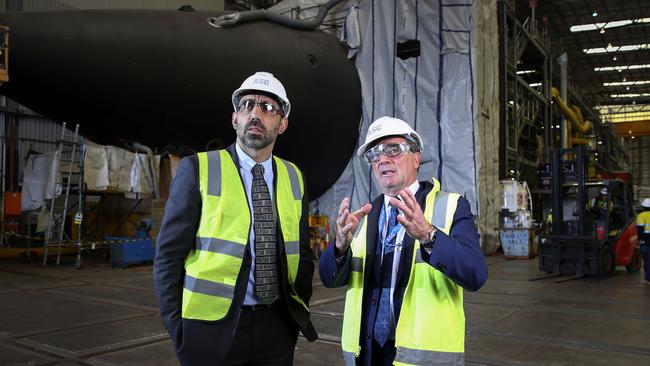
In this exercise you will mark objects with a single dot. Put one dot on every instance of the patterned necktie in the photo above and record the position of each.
(382, 326)
(266, 269)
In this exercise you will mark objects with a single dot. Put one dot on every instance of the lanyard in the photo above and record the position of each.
(393, 233)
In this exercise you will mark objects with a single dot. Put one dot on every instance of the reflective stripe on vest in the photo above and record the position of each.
(213, 265)
(290, 190)
(420, 338)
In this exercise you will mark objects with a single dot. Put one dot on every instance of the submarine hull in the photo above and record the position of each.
(166, 78)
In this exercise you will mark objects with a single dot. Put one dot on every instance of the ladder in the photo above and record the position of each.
(66, 181)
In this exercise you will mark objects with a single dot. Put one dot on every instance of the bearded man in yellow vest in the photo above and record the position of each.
(405, 258)
(233, 267)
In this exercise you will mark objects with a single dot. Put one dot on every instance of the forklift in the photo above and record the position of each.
(592, 223)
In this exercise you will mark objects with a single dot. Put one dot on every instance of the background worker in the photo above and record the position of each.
(233, 266)
(643, 229)
(405, 273)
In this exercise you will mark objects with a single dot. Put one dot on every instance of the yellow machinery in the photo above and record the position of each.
(573, 115)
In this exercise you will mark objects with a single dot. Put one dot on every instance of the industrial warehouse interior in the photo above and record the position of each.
(535, 112)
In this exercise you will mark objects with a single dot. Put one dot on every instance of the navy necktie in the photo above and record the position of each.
(383, 325)
(266, 268)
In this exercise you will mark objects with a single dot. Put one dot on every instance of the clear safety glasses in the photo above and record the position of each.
(391, 150)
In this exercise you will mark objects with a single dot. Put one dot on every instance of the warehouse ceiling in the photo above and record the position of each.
(609, 57)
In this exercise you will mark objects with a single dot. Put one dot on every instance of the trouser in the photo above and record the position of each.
(645, 250)
(264, 336)
(385, 355)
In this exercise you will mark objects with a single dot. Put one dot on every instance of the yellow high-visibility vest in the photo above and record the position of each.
(643, 219)
(431, 326)
(212, 266)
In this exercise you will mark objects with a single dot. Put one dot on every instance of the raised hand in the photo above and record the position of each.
(412, 217)
(346, 224)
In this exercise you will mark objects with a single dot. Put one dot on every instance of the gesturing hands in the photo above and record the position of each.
(346, 224)
(412, 217)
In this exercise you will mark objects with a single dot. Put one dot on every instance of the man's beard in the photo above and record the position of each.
(255, 141)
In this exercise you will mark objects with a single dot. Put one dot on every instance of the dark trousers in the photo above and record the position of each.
(265, 336)
(383, 356)
(645, 252)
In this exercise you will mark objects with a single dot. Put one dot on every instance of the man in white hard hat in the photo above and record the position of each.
(643, 229)
(233, 267)
(405, 258)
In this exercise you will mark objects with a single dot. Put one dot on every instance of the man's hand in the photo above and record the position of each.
(412, 218)
(346, 224)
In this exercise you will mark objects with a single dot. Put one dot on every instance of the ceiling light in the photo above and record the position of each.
(594, 14)
(627, 88)
(601, 25)
(610, 48)
(629, 132)
(623, 67)
(624, 83)
(557, 126)
(602, 30)
(632, 137)
(614, 58)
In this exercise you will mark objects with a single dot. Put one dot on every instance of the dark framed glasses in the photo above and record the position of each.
(390, 150)
(247, 106)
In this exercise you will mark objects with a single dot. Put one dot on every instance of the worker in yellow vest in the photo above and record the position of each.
(643, 229)
(405, 259)
(233, 266)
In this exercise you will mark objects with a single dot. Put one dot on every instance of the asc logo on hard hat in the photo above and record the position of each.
(261, 81)
(374, 130)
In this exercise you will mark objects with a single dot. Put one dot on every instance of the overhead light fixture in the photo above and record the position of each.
(532, 85)
(610, 48)
(602, 30)
(594, 14)
(601, 25)
(632, 137)
(557, 126)
(614, 58)
(627, 88)
(624, 78)
(624, 83)
(623, 67)
(629, 132)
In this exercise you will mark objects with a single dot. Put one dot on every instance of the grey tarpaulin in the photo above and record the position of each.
(448, 94)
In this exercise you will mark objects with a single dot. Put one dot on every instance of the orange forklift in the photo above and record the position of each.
(592, 223)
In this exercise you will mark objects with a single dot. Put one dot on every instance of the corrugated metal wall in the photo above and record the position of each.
(34, 134)
(45, 5)
(639, 149)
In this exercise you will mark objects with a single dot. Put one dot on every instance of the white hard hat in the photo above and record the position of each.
(646, 203)
(389, 126)
(266, 83)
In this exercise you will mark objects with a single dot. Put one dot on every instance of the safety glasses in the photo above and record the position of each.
(247, 106)
(391, 150)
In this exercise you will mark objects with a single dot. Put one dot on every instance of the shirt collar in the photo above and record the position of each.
(247, 163)
(413, 187)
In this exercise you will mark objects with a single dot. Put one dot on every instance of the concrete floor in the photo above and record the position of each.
(57, 315)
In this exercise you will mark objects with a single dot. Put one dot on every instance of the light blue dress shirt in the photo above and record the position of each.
(246, 163)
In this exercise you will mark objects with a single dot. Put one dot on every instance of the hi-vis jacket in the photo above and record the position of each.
(203, 257)
(211, 268)
(428, 294)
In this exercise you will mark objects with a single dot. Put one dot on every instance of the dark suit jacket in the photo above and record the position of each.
(207, 342)
(457, 255)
